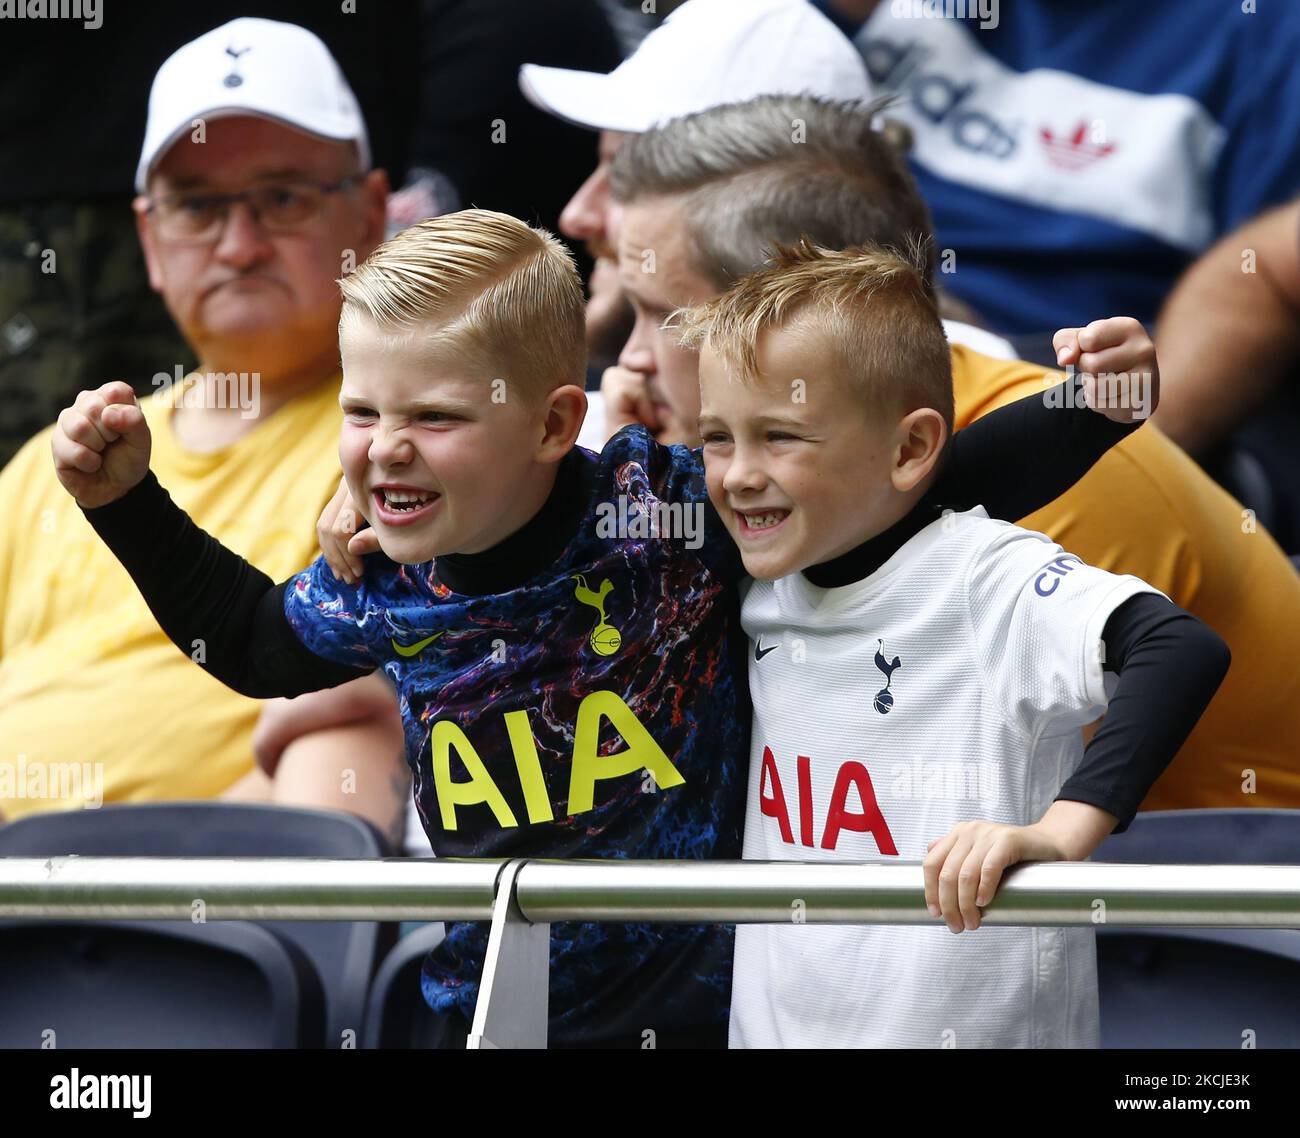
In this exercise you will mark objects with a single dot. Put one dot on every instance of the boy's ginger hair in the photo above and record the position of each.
(485, 285)
(869, 304)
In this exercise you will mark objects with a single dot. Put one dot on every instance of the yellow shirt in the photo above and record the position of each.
(93, 697)
(1147, 509)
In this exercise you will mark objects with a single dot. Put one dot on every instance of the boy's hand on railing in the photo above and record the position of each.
(342, 543)
(1117, 360)
(101, 445)
(964, 868)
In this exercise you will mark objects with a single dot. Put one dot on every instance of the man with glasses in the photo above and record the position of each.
(75, 301)
(194, 216)
(254, 196)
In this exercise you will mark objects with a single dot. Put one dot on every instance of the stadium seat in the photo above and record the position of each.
(396, 1014)
(343, 953)
(150, 984)
(1207, 837)
(1182, 988)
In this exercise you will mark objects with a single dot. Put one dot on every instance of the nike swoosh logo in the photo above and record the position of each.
(760, 651)
(415, 649)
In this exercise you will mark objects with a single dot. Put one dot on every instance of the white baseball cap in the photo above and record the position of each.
(705, 54)
(251, 66)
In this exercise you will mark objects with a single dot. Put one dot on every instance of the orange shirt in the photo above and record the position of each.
(1147, 509)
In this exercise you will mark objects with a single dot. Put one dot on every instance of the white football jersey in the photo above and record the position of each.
(949, 685)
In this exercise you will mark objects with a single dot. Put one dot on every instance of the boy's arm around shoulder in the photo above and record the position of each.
(674, 484)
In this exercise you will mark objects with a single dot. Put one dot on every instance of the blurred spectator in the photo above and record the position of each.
(473, 124)
(710, 194)
(632, 21)
(76, 309)
(1229, 340)
(705, 53)
(256, 192)
(1077, 157)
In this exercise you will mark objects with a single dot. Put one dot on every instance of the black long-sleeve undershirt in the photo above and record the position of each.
(1026, 454)
(198, 590)
(1012, 461)
(1169, 664)
(222, 612)
(201, 592)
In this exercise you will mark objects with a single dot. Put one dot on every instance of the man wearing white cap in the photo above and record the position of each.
(255, 194)
(706, 53)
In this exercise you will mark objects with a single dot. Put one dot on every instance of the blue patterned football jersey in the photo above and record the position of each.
(598, 710)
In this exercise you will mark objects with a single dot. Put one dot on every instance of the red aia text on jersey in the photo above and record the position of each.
(852, 775)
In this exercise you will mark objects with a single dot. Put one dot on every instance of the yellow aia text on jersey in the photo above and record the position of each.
(588, 766)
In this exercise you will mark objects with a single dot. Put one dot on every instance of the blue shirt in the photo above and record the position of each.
(1076, 158)
(599, 709)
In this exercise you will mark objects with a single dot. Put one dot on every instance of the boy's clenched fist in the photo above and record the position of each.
(101, 445)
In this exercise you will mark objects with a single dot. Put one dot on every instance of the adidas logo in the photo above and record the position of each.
(1075, 152)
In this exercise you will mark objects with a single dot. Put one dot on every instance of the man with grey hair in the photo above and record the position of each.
(705, 198)
(712, 192)
(706, 52)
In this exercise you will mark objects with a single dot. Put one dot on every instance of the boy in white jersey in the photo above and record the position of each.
(919, 679)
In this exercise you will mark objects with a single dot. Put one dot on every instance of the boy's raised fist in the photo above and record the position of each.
(101, 445)
(1117, 360)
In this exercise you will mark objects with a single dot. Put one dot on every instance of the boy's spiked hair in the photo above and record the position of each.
(484, 284)
(869, 305)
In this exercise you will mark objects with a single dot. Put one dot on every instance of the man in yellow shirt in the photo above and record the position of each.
(255, 195)
(708, 195)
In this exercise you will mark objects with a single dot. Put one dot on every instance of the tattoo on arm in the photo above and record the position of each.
(400, 785)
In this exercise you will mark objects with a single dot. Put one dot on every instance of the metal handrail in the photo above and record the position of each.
(1057, 893)
(522, 898)
(254, 888)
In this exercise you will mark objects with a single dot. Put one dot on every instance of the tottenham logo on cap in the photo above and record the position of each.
(292, 80)
(234, 79)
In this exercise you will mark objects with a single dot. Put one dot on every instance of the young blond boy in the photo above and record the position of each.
(919, 678)
(563, 694)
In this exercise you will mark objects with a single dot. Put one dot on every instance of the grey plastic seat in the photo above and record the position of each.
(1184, 987)
(343, 953)
(1207, 837)
(150, 984)
(396, 1013)
(1198, 988)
